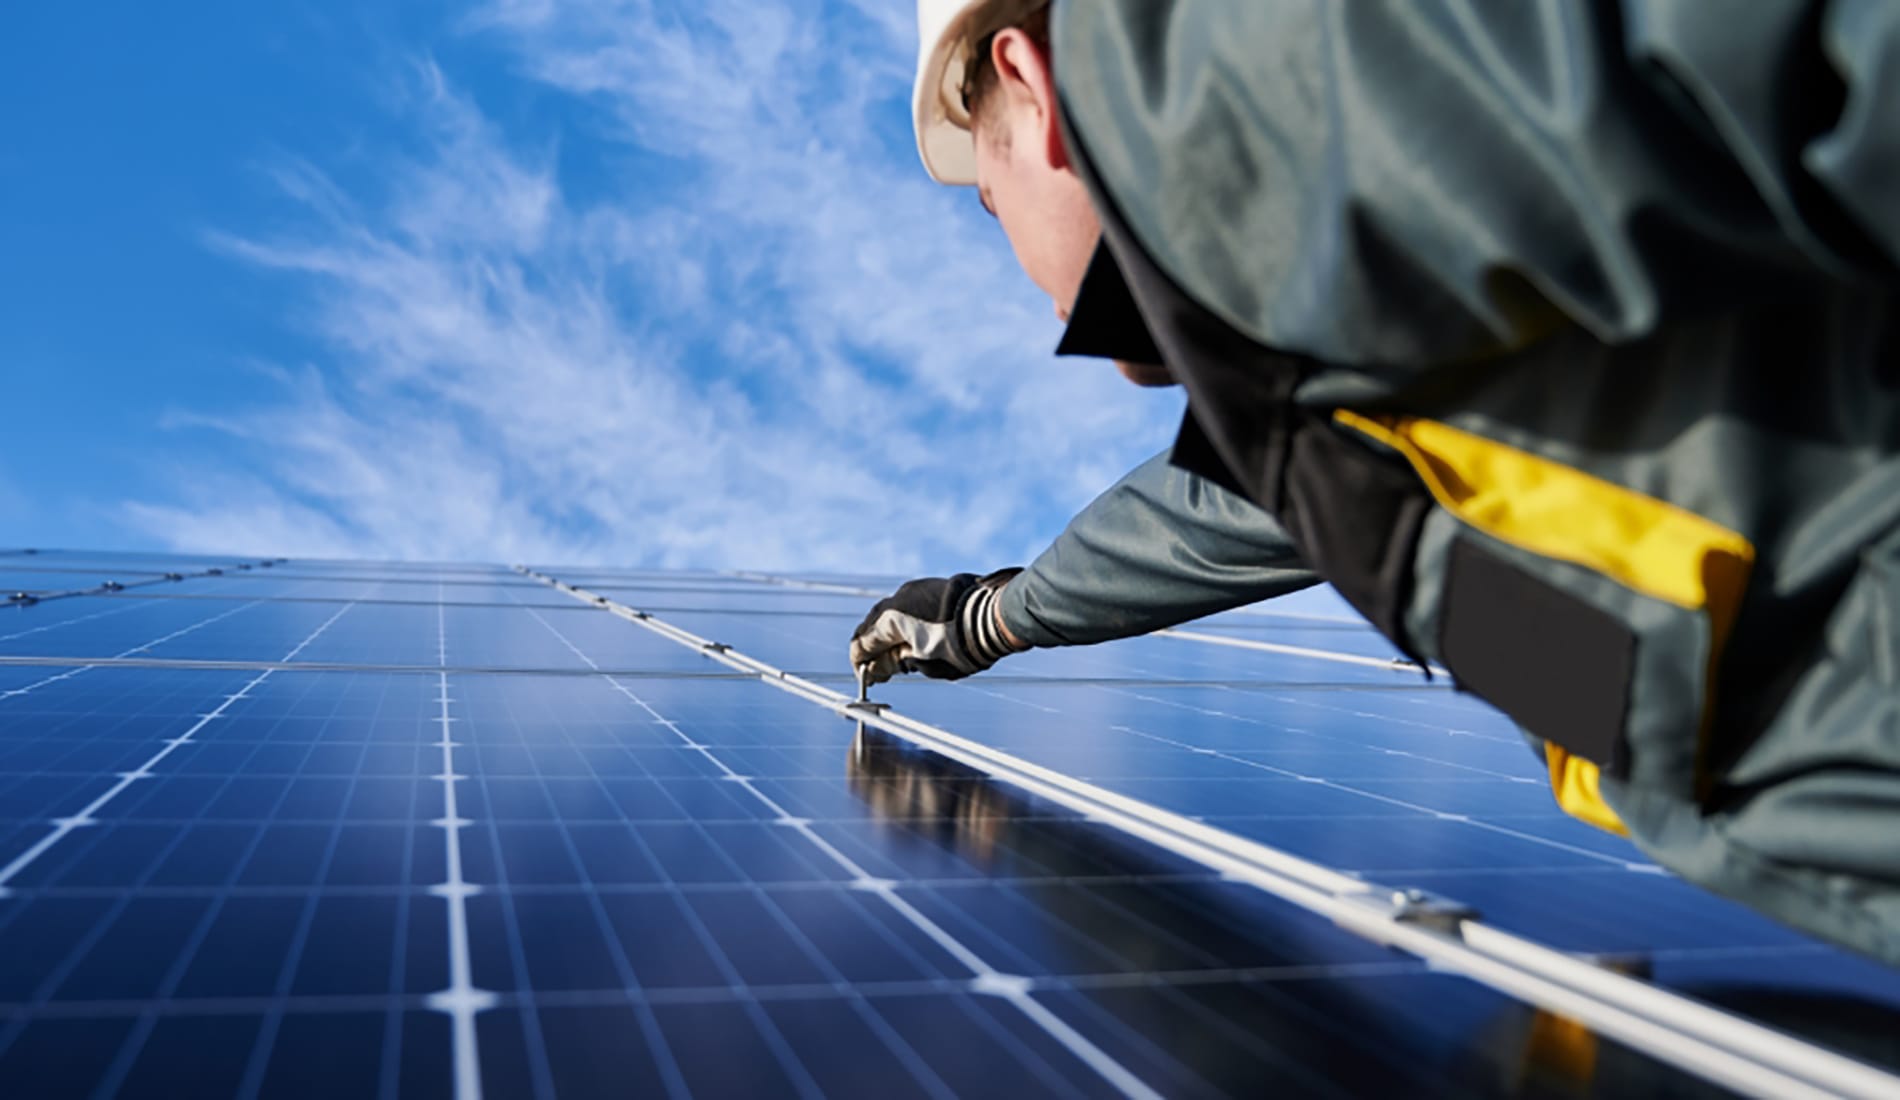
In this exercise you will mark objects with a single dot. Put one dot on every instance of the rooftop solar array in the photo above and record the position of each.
(283, 828)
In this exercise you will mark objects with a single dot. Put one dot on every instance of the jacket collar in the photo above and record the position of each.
(1105, 323)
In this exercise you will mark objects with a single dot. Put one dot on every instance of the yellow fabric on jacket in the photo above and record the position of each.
(1555, 511)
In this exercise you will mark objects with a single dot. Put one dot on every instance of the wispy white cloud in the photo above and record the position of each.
(773, 344)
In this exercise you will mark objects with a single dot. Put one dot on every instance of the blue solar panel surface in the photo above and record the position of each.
(360, 829)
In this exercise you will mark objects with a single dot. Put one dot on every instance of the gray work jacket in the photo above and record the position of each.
(1564, 340)
(1160, 547)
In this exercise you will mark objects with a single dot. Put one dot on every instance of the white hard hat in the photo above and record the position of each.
(945, 30)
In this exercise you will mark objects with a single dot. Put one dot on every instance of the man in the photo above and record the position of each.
(1561, 339)
(1160, 547)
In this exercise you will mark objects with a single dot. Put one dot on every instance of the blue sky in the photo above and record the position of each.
(620, 281)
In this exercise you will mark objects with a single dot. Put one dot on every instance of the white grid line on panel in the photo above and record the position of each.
(1348, 788)
(1011, 988)
(122, 656)
(65, 825)
(462, 1000)
(67, 622)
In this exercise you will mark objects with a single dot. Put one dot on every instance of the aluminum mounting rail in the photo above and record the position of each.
(1394, 664)
(27, 599)
(1719, 1046)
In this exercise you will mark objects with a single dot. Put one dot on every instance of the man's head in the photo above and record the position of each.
(987, 115)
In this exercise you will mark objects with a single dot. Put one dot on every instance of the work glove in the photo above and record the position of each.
(943, 627)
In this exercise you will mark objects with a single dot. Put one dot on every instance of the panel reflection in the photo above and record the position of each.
(1292, 1006)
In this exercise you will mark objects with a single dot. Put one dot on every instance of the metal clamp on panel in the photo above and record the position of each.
(24, 599)
(1425, 909)
(865, 706)
(714, 647)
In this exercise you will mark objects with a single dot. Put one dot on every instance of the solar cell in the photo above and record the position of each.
(364, 829)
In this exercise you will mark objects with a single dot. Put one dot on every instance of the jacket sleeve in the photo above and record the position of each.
(1160, 547)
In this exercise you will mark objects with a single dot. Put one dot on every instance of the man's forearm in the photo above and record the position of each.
(1158, 548)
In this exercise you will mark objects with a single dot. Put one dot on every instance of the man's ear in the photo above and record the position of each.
(1025, 79)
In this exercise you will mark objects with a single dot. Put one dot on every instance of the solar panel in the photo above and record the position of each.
(343, 828)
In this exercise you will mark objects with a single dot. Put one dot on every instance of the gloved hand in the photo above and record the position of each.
(943, 627)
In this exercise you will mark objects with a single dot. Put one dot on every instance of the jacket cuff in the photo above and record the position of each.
(982, 635)
(1013, 602)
